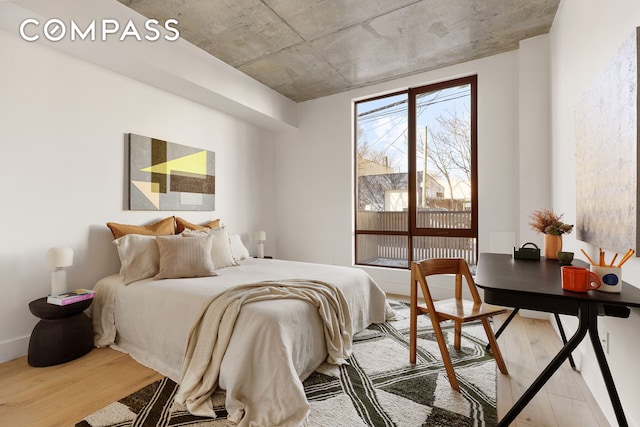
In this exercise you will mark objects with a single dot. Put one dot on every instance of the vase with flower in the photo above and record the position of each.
(550, 224)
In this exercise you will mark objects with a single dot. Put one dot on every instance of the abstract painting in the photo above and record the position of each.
(607, 154)
(167, 176)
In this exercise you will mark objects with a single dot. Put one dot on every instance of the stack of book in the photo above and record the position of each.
(70, 297)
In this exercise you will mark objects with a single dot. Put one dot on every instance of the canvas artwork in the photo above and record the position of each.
(167, 176)
(606, 154)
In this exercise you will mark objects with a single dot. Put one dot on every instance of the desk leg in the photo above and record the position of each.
(503, 326)
(564, 339)
(506, 322)
(583, 327)
(604, 367)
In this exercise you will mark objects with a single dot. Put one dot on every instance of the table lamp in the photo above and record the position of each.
(58, 258)
(261, 236)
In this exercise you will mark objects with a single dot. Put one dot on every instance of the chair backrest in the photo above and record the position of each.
(457, 266)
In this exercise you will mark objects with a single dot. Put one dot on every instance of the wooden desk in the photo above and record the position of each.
(537, 285)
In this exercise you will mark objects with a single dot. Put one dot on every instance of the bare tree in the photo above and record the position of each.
(448, 149)
(375, 174)
(369, 155)
(372, 189)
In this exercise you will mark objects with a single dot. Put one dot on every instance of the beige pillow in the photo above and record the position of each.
(182, 225)
(181, 257)
(139, 257)
(163, 227)
(238, 249)
(221, 254)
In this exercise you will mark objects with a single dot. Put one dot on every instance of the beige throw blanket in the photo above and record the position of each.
(212, 331)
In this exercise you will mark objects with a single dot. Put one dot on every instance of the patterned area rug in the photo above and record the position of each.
(378, 388)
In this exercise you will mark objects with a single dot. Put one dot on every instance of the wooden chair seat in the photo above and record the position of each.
(455, 309)
(464, 310)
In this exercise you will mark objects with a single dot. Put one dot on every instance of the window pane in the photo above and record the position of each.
(445, 247)
(443, 158)
(382, 250)
(382, 165)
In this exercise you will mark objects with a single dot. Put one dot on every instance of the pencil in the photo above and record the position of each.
(613, 260)
(588, 257)
(624, 259)
(601, 258)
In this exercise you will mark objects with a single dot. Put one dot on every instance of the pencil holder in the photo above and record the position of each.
(611, 278)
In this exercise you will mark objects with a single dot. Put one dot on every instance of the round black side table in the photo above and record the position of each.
(64, 333)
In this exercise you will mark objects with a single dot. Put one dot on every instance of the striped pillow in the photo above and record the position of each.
(181, 257)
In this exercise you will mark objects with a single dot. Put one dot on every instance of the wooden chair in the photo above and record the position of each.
(456, 309)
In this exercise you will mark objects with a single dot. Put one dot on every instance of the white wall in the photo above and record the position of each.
(534, 133)
(314, 172)
(584, 37)
(62, 128)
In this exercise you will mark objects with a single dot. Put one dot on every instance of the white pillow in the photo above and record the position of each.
(221, 254)
(139, 257)
(238, 249)
(184, 257)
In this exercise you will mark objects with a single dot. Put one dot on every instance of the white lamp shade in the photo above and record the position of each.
(60, 257)
(261, 236)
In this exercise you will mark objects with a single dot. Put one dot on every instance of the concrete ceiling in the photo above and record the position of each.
(306, 49)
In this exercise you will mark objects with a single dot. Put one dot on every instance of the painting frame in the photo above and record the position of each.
(166, 176)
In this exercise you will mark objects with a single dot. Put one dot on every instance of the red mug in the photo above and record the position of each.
(578, 279)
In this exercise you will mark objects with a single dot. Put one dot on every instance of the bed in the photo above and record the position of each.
(274, 346)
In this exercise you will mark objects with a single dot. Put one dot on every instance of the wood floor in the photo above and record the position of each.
(64, 394)
(528, 345)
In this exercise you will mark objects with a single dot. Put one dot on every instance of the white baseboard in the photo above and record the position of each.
(13, 349)
(394, 288)
(535, 314)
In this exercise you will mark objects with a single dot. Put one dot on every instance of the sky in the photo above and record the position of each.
(384, 122)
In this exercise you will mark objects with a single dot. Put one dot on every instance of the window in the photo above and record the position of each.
(416, 175)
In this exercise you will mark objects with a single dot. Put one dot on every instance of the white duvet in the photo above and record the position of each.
(274, 346)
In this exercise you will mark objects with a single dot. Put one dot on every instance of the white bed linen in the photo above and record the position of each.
(153, 320)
